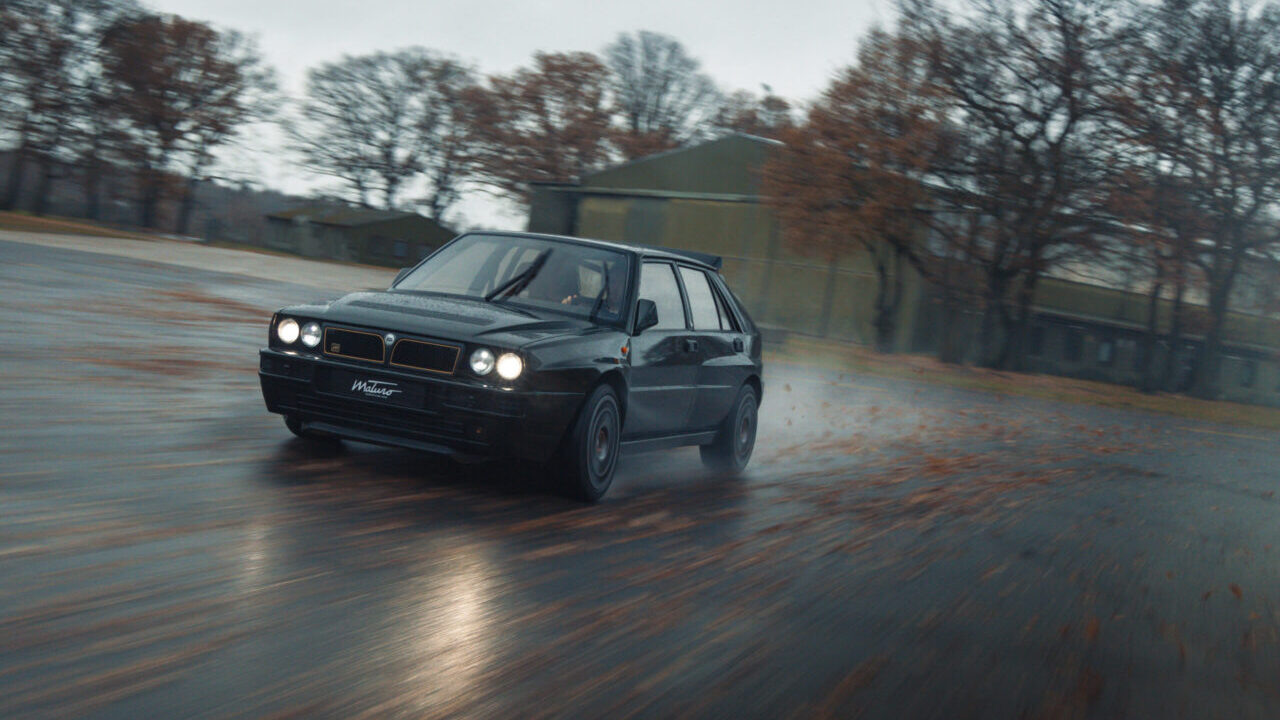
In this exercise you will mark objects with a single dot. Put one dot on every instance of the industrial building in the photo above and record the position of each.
(374, 237)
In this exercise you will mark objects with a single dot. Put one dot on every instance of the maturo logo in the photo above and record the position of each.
(376, 388)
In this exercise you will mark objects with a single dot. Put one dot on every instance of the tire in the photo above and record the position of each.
(588, 456)
(295, 427)
(736, 438)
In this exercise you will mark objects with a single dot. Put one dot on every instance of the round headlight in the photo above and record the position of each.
(510, 366)
(482, 361)
(287, 330)
(311, 334)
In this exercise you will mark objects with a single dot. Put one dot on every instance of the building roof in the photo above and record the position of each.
(726, 165)
(343, 216)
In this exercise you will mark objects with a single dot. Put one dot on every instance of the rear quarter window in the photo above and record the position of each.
(702, 301)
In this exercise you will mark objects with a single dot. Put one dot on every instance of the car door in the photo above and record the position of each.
(723, 364)
(664, 360)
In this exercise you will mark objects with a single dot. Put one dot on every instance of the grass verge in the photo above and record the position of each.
(22, 222)
(920, 368)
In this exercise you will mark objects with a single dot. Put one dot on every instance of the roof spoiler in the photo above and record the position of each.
(715, 261)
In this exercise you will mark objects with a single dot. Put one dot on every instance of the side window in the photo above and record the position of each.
(726, 317)
(658, 283)
(702, 302)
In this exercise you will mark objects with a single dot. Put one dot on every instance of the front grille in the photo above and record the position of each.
(420, 355)
(354, 344)
(378, 418)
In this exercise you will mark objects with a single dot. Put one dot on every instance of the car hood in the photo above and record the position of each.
(446, 318)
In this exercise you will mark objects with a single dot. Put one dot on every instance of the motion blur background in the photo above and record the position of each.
(1081, 188)
(1016, 264)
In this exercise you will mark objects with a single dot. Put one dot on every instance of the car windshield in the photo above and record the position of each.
(564, 277)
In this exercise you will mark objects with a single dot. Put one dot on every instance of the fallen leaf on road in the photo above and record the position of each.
(1091, 629)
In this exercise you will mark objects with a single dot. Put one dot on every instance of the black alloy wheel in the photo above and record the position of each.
(736, 438)
(589, 455)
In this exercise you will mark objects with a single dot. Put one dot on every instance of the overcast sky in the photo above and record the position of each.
(794, 47)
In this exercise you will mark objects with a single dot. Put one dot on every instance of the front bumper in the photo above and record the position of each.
(436, 414)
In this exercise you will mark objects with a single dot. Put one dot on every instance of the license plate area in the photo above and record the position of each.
(372, 388)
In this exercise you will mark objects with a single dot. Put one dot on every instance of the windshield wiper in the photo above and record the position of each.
(604, 291)
(521, 280)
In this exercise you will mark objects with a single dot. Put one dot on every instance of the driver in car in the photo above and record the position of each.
(569, 283)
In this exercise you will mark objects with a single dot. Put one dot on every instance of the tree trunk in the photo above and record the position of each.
(1205, 384)
(884, 309)
(41, 205)
(995, 320)
(389, 193)
(187, 205)
(1016, 344)
(92, 193)
(1207, 381)
(13, 190)
(1148, 382)
(150, 200)
(1170, 380)
(950, 349)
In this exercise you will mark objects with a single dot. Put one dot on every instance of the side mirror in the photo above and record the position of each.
(646, 315)
(400, 276)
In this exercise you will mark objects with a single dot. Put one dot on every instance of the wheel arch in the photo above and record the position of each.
(615, 380)
(754, 381)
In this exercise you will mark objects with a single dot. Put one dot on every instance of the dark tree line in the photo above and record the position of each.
(985, 143)
(96, 88)
(992, 142)
(412, 117)
(97, 84)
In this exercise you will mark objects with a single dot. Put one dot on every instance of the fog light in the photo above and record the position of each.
(482, 361)
(287, 331)
(510, 366)
(311, 334)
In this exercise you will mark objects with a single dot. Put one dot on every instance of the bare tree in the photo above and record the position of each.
(1158, 229)
(1206, 104)
(766, 115)
(664, 98)
(378, 122)
(184, 88)
(1025, 87)
(550, 122)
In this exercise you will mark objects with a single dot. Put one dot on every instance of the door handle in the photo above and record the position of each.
(739, 345)
(690, 345)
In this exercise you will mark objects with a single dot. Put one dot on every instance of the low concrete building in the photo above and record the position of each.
(374, 237)
(707, 198)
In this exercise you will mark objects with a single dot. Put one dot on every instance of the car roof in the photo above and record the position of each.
(711, 262)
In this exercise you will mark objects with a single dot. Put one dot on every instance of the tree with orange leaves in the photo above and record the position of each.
(548, 123)
(183, 88)
(851, 177)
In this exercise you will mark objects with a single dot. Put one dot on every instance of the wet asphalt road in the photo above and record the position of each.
(167, 549)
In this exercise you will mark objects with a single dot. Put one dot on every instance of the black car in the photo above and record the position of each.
(554, 350)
